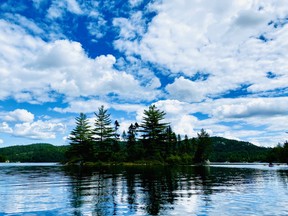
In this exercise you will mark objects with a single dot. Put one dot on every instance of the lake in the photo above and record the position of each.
(51, 189)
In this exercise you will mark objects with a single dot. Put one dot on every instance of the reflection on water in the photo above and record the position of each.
(182, 190)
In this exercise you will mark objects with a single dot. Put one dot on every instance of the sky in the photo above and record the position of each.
(220, 65)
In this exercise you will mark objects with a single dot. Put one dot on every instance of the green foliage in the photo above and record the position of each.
(173, 159)
(81, 146)
(103, 129)
(153, 131)
(3, 159)
(42, 152)
(159, 143)
(105, 135)
(171, 141)
(133, 150)
(237, 151)
(203, 147)
(279, 153)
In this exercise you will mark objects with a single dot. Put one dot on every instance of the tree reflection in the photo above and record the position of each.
(284, 177)
(145, 190)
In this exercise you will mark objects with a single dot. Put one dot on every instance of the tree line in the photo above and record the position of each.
(279, 153)
(151, 140)
(38, 152)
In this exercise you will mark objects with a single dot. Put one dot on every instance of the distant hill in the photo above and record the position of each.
(237, 151)
(222, 150)
(40, 152)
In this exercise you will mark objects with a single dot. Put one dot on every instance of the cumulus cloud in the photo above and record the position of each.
(84, 106)
(32, 69)
(19, 115)
(246, 107)
(1, 141)
(22, 124)
(187, 90)
(5, 128)
(38, 130)
(192, 36)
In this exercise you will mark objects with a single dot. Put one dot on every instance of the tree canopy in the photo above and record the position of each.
(81, 140)
(151, 140)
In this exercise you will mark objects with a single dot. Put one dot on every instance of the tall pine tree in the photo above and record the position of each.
(103, 134)
(81, 146)
(153, 132)
(203, 147)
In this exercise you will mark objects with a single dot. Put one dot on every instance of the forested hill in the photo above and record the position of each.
(40, 152)
(237, 151)
(222, 150)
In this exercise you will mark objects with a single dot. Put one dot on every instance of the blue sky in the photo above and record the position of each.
(220, 65)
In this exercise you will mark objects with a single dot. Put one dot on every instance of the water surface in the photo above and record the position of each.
(50, 189)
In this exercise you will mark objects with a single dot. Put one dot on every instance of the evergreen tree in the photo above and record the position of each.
(116, 146)
(131, 142)
(153, 131)
(103, 134)
(203, 148)
(103, 129)
(171, 141)
(116, 127)
(81, 146)
(187, 145)
(179, 140)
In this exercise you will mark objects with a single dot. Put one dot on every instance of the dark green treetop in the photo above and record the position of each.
(203, 147)
(103, 129)
(81, 139)
(152, 127)
(153, 132)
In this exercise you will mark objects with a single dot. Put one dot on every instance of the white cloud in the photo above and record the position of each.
(135, 3)
(5, 128)
(78, 106)
(206, 36)
(58, 8)
(23, 125)
(92, 105)
(32, 68)
(38, 130)
(247, 107)
(73, 6)
(19, 115)
(1, 141)
(186, 90)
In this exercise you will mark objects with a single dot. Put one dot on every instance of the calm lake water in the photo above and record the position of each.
(50, 189)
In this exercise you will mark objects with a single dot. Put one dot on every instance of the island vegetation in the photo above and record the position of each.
(152, 141)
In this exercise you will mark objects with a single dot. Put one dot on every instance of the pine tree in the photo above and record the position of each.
(103, 129)
(203, 147)
(153, 131)
(116, 146)
(81, 146)
(171, 141)
(103, 134)
(131, 142)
